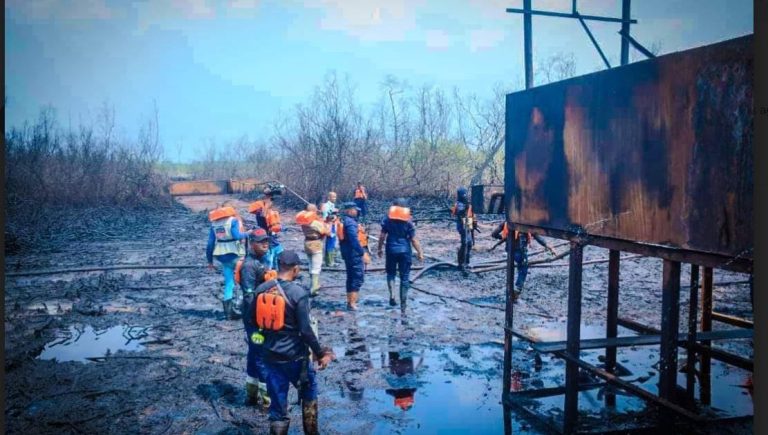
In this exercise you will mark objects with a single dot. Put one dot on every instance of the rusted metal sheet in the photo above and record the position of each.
(483, 200)
(200, 187)
(657, 152)
(243, 186)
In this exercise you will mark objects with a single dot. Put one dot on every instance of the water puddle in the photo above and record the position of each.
(82, 342)
(412, 386)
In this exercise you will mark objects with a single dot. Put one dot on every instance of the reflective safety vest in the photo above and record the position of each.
(225, 244)
(399, 213)
(360, 193)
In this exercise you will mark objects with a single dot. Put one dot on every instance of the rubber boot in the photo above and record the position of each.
(263, 395)
(391, 287)
(251, 392)
(315, 290)
(327, 259)
(309, 417)
(229, 310)
(403, 295)
(279, 427)
(352, 301)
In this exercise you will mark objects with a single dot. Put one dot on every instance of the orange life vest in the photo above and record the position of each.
(270, 308)
(505, 233)
(238, 268)
(268, 275)
(360, 193)
(470, 213)
(221, 213)
(399, 213)
(305, 217)
(362, 236)
(273, 221)
(404, 403)
(255, 206)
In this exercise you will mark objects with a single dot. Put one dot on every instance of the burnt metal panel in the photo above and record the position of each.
(657, 152)
(202, 187)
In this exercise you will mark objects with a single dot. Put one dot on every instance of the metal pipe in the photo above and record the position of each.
(566, 15)
(693, 307)
(571, 407)
(625, 15)
(509, 314)
(594, 41)
(705, 362)
(637, 45)
(527, 44)
(612, 327)
(670, 320)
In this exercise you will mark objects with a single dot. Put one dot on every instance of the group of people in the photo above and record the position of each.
(280, 332)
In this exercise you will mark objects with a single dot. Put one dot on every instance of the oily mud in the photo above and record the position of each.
(127, 351)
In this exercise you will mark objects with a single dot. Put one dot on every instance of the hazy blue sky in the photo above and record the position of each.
(219, 70)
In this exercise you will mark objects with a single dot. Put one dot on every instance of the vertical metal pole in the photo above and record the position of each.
(509, 316)
(625, 16)
(693, 308)
(528, 44)
(705, 362)
(670, 319)
(573, 343)
(612, 317)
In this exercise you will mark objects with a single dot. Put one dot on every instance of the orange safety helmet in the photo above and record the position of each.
(221, 213)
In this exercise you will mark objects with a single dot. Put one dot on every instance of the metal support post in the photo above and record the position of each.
(573, 338)
(670, 319)
(612, 327)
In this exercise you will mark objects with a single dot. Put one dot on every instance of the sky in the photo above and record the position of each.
(221, 70)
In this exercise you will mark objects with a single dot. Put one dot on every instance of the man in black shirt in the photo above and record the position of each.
(288, 339)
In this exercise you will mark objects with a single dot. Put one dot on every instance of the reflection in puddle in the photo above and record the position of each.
(436, 390)
(80, 343)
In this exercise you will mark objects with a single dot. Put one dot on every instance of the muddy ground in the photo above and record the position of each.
(146, 351)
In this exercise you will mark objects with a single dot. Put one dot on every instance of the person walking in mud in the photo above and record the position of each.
(225, 245)
(268, 218)
(254, 271)
(361, 199)
(523, 240)
(329, 214)
(352, 252)
(283, 314)
(466, 225)
(398, 234)
(314, 230)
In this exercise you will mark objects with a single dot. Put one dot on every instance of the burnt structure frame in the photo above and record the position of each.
(697, 342)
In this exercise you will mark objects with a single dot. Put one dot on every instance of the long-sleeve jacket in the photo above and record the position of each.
(236, 234)
(350, 243)
(294, 341)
